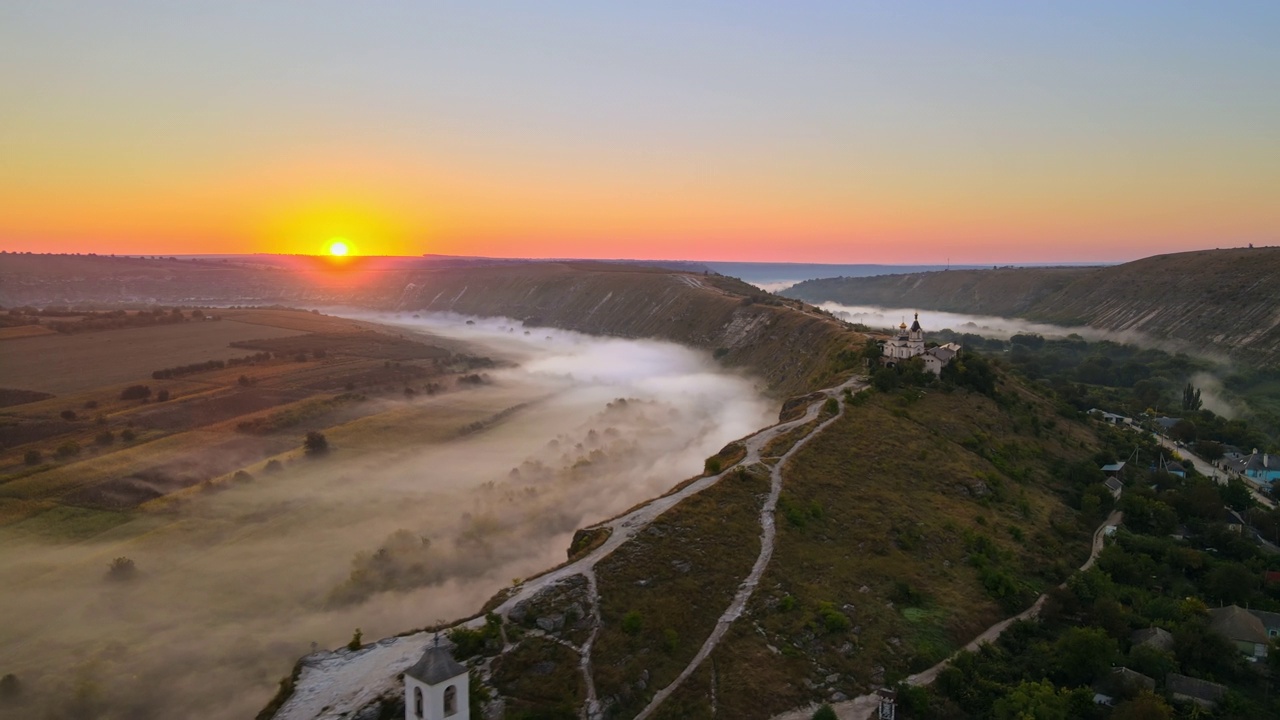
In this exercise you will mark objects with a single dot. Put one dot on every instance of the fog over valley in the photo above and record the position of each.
(419, 513)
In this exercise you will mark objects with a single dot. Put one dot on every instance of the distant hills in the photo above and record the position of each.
(1225, 300)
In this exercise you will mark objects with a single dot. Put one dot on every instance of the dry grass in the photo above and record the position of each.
(24, 331)
(676, 577)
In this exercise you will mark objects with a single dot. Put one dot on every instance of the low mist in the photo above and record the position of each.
(232, 586)
(1210, 386)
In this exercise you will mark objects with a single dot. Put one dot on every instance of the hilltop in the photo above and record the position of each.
(834, 553)
(1227, 300)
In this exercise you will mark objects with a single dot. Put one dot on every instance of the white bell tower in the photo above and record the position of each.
(437, 687)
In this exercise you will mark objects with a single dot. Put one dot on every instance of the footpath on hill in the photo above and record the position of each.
(336, 684)
(864, 706)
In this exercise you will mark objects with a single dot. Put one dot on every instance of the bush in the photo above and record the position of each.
(106, 437)
(10, 687)
(242, 476)
(162, 396)
(91, 405)
(70, 448)
(32, 457)
(712, 465)
(831, 406)
(272, 466)
(316, 444)
(122, 568)
(670, 641)
(826, 712)
(68, 415)
(128, 435)
(632, 622)
(135, 392)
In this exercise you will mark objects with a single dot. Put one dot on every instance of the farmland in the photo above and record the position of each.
(243, 549)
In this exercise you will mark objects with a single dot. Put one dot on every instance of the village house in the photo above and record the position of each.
(1259, 467)
(1243, 629)
(1188, 689)
(1154, 638)
(909, 343)
(1110, 418)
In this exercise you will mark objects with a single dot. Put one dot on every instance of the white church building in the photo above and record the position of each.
(909, 343)
(437, 687)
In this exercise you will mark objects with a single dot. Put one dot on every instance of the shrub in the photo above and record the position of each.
(91, 405)
(242, 476)
(670, 641)
(135, 392)
(122, 568)
(32, 457)
(106, 437)
(10, 687)
(787, 604)
(128, 435)
(713, 465)
(831, 406)
(162, 396)
(632, 622)
(272, 466)
(70, 448)
(832, 620)
(316, 444)
(826, 712)
(68, 415)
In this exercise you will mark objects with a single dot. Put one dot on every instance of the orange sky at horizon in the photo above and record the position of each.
(826, 133)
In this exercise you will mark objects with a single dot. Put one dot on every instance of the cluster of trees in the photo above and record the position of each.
(1052, 667)
(967, 370)
(1135, 380)
(206, 366)
(116, 319)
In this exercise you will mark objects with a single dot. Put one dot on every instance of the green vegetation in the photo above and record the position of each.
(1144, 579)
(913, 522)
(1132, 380)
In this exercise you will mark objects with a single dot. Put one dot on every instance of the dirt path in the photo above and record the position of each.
(768, 532)
(334, 684)
(862, 707)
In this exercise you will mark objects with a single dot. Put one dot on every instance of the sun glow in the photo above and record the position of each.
(338, 247)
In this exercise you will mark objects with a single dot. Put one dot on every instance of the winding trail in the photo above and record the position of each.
(768, 533)
(862, 707)
(333, 684)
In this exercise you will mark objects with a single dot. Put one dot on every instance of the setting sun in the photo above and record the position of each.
(338, 247)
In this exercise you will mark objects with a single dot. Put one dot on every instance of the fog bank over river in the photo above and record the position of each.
(382, 535)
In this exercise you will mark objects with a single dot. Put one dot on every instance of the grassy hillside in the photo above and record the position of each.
(1227, 300)
(793, 347)
(913, 522)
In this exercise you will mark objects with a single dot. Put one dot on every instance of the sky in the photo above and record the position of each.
(842, 132)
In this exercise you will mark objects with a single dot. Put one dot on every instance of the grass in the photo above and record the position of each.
(662, 592)
(884, 510)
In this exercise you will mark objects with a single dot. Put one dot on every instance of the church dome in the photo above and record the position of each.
(915, 326)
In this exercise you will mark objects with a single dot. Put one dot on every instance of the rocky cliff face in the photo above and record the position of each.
(1225, 300)
(793, 348)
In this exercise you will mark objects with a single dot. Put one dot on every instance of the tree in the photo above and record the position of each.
(135, 392)
(1183, 431)
(1034, 700)
(10, 687)
(355, 640)
(1191, 398)
(316, 444)
(1083, 654)
(122, 568)
(1146, 706)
